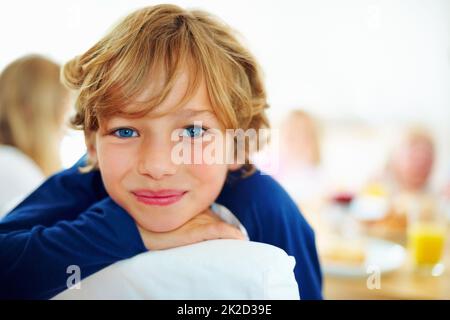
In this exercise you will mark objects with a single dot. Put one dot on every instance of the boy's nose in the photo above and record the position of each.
(155, 160)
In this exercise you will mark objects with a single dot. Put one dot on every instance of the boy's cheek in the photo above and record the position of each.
(113, 163)
(211, 177)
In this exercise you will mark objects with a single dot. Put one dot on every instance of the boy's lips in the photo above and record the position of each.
(159, 197)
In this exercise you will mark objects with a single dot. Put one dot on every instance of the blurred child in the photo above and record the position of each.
(300, 170)
(33, 106)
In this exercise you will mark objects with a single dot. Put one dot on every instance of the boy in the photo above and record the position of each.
(162, 79)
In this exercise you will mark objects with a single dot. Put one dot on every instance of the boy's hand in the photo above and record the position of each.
(204, 226)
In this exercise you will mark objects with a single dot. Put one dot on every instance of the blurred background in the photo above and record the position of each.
(360, 92)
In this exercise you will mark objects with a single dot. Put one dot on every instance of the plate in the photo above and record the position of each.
(381, 256)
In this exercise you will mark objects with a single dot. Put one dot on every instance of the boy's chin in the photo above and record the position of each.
(163, 226)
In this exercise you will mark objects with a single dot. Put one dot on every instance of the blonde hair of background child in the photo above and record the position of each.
(303, 126)
(33, 104)
(164, 39)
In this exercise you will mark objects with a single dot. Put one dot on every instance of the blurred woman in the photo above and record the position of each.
(33, 108)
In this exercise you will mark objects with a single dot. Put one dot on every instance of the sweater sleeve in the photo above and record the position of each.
(34, 262)
(63, 196)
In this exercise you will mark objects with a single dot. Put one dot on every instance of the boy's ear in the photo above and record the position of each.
(89, 139)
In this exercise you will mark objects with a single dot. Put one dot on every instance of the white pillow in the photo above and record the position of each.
(215, 269)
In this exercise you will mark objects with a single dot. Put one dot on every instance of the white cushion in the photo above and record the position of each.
(215, 269)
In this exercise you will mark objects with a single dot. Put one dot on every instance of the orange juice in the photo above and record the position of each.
(426, 242)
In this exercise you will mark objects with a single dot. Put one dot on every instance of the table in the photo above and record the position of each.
(401, 284)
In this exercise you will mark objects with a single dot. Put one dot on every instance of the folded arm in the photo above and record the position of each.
(34, 263)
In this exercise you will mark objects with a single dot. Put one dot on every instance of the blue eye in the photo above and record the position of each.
(193, 131)
(125, 133)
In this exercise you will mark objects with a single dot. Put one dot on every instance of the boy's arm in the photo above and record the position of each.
(61, 197)
(68, 220)
(34, 263)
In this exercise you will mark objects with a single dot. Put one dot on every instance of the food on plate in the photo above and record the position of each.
(343, 252)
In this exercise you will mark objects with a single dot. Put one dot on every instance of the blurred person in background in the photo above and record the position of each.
(302, 174)
(387, 200)
(33, 108)
(412, 161)
(300, 170)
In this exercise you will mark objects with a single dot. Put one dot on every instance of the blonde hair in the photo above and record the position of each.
(32, 108)
(302, 121)
(167, 38)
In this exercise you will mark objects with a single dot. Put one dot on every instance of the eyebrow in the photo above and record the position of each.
(189, 113)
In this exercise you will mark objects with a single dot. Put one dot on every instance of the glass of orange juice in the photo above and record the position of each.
(427, 229)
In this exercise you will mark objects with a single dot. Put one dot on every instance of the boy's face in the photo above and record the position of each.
(136, 162)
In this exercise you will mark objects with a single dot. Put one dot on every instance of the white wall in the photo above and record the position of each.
(382, 61)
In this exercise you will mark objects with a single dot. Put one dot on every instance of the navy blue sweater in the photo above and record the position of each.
(71, 220)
